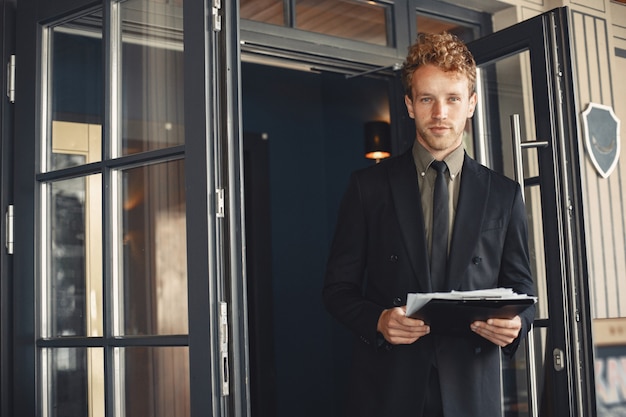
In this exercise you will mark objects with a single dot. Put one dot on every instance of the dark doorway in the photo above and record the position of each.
(295, 176)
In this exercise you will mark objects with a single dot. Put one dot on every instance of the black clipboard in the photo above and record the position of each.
(454, 316)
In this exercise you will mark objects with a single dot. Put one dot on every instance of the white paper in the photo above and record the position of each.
(416, 301)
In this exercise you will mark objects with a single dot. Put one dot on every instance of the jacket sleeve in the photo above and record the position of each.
(515, 270)
(346, 268)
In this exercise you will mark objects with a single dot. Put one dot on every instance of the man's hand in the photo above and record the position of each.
(499, 331)
(398, 329)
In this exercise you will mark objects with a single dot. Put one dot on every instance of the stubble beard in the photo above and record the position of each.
(446, 142)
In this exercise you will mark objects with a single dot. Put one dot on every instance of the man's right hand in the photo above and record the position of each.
(398, 329)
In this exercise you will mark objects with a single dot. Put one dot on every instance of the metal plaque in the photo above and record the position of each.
(601, 132)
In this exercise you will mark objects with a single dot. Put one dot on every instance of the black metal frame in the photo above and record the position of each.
(7, 19)
(546, 38)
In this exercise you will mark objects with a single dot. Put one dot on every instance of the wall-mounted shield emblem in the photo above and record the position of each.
(601, 131)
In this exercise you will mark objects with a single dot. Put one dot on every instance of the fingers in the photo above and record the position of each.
(397, 328)
(501, 332)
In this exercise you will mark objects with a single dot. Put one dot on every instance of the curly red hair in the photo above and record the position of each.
(443, 50)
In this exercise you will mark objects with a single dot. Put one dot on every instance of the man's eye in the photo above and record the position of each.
(425, 99)
(455, 99)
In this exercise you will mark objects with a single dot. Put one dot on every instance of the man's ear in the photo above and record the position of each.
(409, 106)
(473, 99)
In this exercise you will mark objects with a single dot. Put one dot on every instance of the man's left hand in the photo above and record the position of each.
(501, 332)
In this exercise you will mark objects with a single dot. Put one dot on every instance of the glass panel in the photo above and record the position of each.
(76, 88)
(351, 19)
(266, 11)
(73, 297)
(429, 24)
(516, 375)
(537, 253)
(155, 381)
(152, 76)
(154, 250)
(75, 382)
(507, 90)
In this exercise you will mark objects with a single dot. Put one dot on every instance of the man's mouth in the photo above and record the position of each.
(439, 129)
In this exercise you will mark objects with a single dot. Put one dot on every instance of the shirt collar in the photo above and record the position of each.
(423, 159)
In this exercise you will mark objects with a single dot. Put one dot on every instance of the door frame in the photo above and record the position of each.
(547, 38)
(7, 19)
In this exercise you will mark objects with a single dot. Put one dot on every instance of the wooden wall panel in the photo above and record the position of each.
(604, 198)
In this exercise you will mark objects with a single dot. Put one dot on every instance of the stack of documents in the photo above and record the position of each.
(453, 311)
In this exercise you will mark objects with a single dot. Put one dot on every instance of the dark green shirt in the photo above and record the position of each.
(426, 181)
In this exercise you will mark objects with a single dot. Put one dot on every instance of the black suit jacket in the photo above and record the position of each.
(379, 254)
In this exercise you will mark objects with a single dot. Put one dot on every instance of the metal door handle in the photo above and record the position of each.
(518, 145)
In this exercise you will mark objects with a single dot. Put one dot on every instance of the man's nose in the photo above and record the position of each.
(440, 111)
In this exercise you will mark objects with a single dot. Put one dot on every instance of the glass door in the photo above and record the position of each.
(123, 233)
(525, 128)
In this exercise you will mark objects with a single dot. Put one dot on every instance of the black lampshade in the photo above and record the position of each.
(377, 140)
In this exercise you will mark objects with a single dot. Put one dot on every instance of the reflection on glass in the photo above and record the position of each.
(537, 252)
(430, 24)
(350, 19)
(75, 382)
(507, 91)
(154, 250)
(516, 378)
(152, 76)
(76, 91)
(266, 11)
(155, 381)
(74, 280)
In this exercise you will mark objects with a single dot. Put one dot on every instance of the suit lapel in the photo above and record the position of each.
(468, 221)
(408, 206)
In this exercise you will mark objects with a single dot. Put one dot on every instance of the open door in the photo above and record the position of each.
(526, 128)
(123, 238)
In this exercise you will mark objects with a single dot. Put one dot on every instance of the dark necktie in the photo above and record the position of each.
(439, 248)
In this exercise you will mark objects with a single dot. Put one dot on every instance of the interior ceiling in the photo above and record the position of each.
(271, 11)
(345, 19)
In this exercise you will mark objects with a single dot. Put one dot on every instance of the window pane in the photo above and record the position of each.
(76, 86)
(428, 24)
(361, 21)
(73, 299)
(154, 250)
(152, 76)
(508, 84)
(266, 11)
(75, 382)
(506, 89)
(155, 381)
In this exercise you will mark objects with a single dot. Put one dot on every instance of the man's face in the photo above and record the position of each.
(440, 106)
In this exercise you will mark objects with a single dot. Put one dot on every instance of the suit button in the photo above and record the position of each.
(397, 302)
(476, 260)
(393, 258)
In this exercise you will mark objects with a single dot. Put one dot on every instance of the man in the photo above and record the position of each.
(384, 239)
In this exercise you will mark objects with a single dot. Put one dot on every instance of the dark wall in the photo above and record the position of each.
(315, 127)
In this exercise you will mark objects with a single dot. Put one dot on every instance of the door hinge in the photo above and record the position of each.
(220, 204)
(11, 79)
(9, 229)
(224, 366)
(215, 14)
